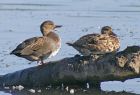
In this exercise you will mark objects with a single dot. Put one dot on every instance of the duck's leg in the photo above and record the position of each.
(40, 62)
(41, 65)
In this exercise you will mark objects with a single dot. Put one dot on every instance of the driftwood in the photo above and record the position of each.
(79, 70)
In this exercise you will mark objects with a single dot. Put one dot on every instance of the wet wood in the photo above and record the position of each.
(79, 70)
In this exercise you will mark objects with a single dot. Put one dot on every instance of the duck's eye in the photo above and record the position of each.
(50, 24)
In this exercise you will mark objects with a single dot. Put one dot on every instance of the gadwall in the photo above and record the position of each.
(40, 48)
(97, 44)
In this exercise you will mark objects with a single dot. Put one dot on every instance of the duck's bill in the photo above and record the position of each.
(58, 26)
(113, 34)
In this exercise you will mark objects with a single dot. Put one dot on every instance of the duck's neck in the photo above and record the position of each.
(46, 33)
(109, 33)
(53, 36)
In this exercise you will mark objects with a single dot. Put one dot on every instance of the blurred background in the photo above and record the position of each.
(21, 19)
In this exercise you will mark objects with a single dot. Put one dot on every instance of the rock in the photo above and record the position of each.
(39, 91)
(71, 91)
(32, 90)
(20, 87)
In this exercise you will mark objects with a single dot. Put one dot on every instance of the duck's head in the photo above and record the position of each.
(107, 30)
(47, 27)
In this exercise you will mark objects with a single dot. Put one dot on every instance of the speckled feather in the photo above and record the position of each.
(96, 44)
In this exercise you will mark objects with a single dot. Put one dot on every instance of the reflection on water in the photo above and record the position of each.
(20, 19)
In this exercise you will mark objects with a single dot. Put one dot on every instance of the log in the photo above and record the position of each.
(64, 92)
(79, 70)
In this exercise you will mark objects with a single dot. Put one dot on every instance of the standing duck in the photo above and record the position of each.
(97, 44)
(40, 48)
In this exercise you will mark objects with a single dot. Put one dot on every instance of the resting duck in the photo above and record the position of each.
(40, 48)
(97, 44)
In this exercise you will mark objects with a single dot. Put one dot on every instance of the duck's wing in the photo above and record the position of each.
(84, 41)
(98, 43)
(29, 46)
(104, 44)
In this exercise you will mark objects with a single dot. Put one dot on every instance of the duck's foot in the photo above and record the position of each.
(41, 63)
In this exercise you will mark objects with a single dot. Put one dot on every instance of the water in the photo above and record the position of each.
(20, 19)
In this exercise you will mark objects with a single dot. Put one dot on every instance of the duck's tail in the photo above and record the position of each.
(74, 45)
(13, 52)
(70, 44)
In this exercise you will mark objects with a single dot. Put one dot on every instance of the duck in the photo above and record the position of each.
(42, 47)
(97, 44)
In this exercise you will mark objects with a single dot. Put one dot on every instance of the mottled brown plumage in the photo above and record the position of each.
(103, 43)
(40, 48)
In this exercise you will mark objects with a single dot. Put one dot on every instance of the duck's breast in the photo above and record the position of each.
(55, 44)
